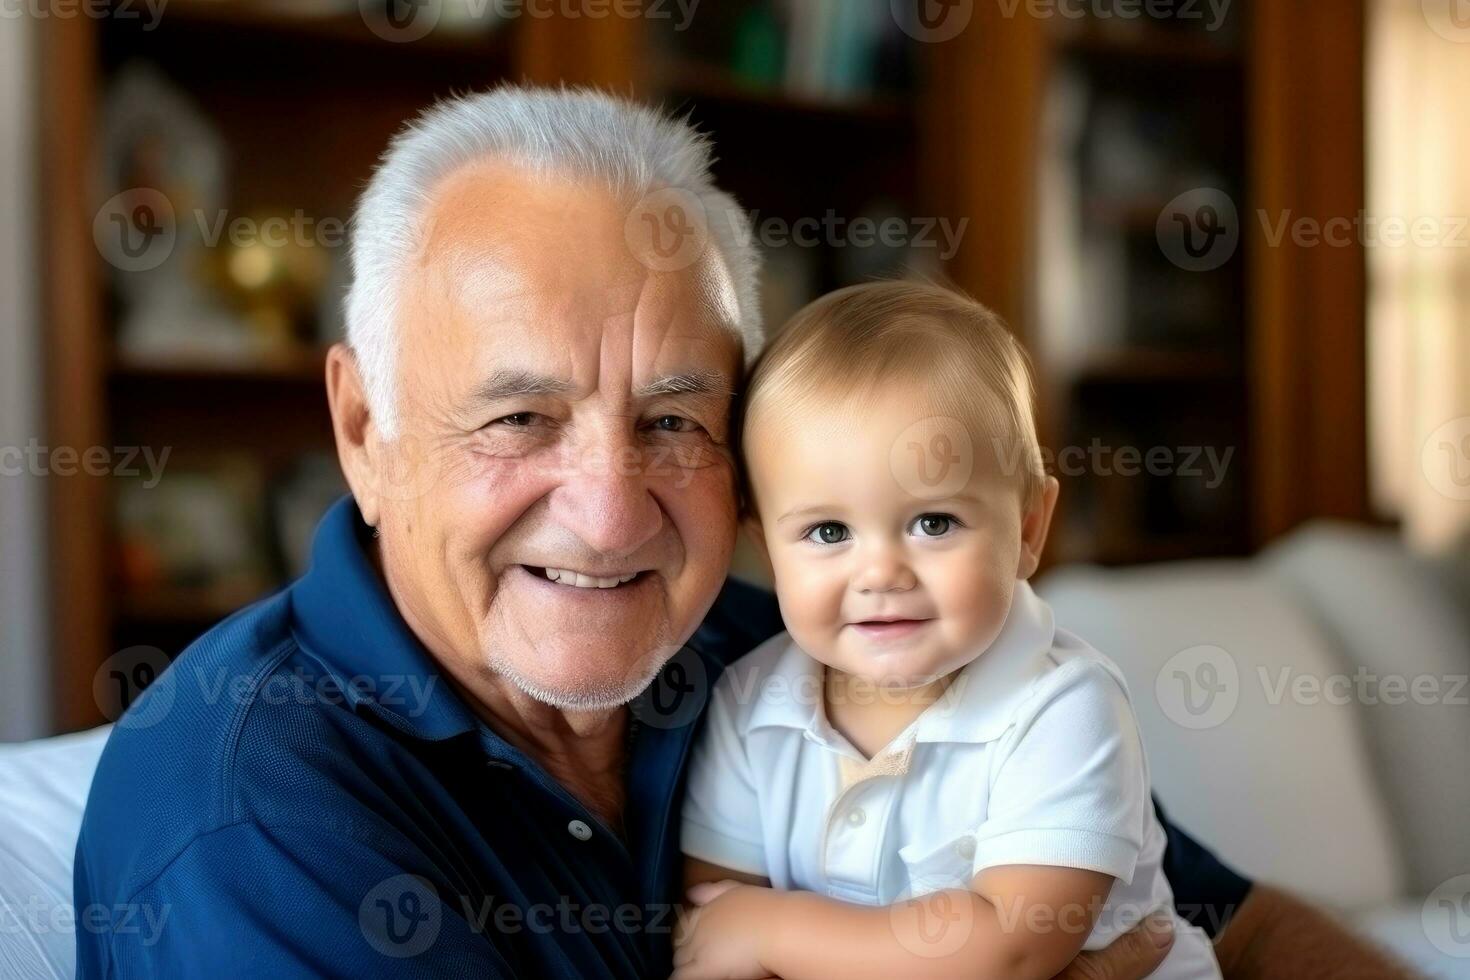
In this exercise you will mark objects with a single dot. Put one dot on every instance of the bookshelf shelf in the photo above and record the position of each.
(707, 83)
(1143, 366)
(1143, 47)
(1157, 548)
(183, 607)
(253, 21)
(304, 366)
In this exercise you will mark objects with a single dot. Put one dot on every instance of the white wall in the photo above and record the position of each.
(24, 668)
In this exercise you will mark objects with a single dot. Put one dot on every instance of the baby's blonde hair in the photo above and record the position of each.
(862, 341)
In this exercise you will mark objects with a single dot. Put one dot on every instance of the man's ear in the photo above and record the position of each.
(358, 445)
(1035, 523)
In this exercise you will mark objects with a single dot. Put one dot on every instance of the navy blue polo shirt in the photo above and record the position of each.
(302, 794)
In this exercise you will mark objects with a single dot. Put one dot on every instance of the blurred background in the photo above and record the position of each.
(1232, 234)
(1186, 209)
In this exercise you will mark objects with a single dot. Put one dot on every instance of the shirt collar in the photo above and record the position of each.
(983, 699)
(344, 617)
(978, 706)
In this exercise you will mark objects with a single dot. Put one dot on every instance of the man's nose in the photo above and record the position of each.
(604, 499)
(884, 568)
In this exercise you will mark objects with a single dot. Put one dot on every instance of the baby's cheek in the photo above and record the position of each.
(974, 597)
(811, 597)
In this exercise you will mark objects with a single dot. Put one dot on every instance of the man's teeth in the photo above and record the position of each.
(568, 577)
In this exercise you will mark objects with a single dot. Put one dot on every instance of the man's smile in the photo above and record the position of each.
(564, 579)
(583, 580)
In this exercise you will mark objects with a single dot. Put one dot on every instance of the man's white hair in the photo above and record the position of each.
(578, 133)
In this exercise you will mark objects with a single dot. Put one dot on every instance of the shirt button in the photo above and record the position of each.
(579, 830)
(965, 847)
(856, 816)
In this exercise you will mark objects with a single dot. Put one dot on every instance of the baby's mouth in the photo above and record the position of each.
(888, 628)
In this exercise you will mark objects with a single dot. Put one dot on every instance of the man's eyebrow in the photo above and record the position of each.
(696, 383)
(511, 383)
(515, 383)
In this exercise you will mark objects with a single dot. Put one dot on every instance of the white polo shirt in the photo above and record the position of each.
(1032, 756)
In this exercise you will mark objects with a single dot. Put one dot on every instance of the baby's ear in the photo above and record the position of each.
(1035, 523)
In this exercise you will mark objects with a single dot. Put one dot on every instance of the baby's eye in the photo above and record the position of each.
(828, 532)
(933, 525)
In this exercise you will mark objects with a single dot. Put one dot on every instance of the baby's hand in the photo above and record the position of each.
(723, 935)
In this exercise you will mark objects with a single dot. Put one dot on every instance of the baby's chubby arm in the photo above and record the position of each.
(735, 945)
(1016, 921)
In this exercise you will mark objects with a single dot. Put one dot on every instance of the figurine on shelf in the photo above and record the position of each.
(162, 180)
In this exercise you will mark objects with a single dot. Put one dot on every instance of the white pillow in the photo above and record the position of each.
(43, 790)
(1281, 789)
(1394, 616)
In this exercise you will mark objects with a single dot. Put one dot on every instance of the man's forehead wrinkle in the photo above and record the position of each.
(716, 290)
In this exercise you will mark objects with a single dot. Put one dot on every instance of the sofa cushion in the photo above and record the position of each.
(43, 790)
(1277, 784)
(1431, 935)
(1394, 616)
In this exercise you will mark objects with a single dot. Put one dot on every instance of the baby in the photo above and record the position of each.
(925, 777)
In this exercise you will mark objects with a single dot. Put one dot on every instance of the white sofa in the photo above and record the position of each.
(1319, 766)
(1360, 806)
(43, 787)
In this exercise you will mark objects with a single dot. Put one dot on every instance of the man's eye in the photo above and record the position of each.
(673, 423)
(933, 525)
(517, 420)
(828, 532)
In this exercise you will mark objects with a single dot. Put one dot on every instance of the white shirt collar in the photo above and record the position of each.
(978, 706)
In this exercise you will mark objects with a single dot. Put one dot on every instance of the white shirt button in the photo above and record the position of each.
(965, 847)
(856, 816)
(579, 830)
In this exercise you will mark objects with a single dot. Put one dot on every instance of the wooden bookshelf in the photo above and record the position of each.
(306, 104)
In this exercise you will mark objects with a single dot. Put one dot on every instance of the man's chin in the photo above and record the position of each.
(579, 676)
(578, 690)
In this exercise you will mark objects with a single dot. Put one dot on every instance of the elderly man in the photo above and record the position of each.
(454, 747)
